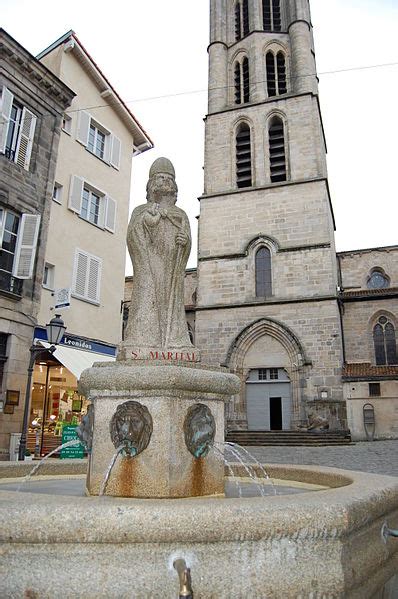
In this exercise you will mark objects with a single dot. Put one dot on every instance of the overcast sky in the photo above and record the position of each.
(154, 54)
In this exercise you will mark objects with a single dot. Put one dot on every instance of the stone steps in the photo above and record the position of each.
(283, 438)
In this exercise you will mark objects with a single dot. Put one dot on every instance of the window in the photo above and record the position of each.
(57, 193)
(49, 276)
(262, 374)
(86, 277)
(385, 344)
(276, 74)
(98, 140)
(18, 235)
(263, 273)
(277, 150)
(3, 355)
(17, 130)
(93, 205)
(378, 280)
(243, 156)
(374, 390)
(272, 15)
(242, 25)
(273, 374)
(67, 123)
(242, 81)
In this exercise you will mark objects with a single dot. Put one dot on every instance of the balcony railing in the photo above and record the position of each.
(10, 284)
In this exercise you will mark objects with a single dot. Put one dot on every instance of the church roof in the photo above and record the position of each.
(366, 371)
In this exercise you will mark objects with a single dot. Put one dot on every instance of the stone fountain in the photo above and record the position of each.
(157, 416)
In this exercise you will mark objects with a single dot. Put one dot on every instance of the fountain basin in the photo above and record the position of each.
(319, 544)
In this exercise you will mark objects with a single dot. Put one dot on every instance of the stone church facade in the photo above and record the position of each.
(274, 302)
(308, 331)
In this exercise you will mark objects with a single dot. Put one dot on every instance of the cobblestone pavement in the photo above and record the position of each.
(379, 457)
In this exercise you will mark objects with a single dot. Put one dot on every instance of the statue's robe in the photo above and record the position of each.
(157, 314)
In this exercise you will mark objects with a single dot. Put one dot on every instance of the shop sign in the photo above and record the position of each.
(69, 433)
(79, 343)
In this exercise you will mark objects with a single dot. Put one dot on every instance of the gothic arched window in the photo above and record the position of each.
(242, 81)
(385, 342)
(277, 155)
(242, 26)
(243, 156)
(378, 279)
(272, 15)
(238, 85)
(263, 272)
(276, 74)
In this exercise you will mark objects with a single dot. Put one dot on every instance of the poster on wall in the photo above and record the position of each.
(69, 433)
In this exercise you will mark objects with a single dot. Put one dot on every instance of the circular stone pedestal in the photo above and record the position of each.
(165, 468)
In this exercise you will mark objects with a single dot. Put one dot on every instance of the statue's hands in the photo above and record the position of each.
(153, 208)
(152, 215)
(182, 238)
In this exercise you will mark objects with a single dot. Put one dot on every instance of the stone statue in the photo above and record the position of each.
(199, 430)
(131, 426)
(159, 242)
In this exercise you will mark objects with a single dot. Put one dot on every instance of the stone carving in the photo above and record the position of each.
(131, 427)
(159, 242)
(85, 429)
(199, 430)
(317, 422)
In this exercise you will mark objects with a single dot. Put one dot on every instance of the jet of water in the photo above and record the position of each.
(109, 470)
(257, 463)
(37, 466)
(230, 469)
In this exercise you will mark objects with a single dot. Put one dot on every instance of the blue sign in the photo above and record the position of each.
(76, 342)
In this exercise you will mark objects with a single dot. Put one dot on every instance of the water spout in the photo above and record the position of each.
(184, 575)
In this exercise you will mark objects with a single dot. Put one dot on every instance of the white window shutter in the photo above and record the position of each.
(25, 139)
(83, 127)
(80, 273)
(116, 151)
(25, 251)
(75, 194)
(7, 99)
(110, 214)
(108, 148)
(94, 279)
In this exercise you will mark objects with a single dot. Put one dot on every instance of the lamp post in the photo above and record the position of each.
(55, 331)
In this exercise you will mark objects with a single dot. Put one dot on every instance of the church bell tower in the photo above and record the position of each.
(267, 302)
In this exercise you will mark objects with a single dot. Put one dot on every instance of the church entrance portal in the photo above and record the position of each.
(268, 398)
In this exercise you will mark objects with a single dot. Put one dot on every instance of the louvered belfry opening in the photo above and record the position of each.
(238, 25)
(238, 91)
(271, 80)
(272, 15)
(277, 150)
(276, 15)
(243, 157)
(246, 80)
(267, 15)
(263, 273)
(245, 10)
(281, 66)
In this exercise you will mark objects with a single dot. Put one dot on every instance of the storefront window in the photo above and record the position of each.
(55, 402)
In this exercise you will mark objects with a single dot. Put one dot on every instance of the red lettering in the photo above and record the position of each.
(163, 356)
(153, 355)
(169, 355)
(193, 357)
(135, 355)
(188, 357)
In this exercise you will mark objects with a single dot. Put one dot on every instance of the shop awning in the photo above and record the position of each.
(76, 360)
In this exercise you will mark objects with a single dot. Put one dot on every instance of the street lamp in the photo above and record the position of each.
(55, 331)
